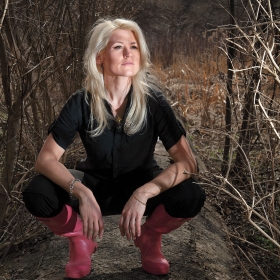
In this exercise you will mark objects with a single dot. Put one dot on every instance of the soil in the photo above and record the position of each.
(198, 250)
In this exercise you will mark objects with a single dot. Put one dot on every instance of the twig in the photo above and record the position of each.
(269, 120)
(250, 210)
(253, 263)
(252, 244)
(236, 255)
(4, 13)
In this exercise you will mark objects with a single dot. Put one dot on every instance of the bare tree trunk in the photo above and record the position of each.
(14, 109)
(59, 69)
(13, 125)
(36, 123)
(246, 127)
(8, 100)
(231, 53)
(49, 114)
(5, 70)
(13, 122)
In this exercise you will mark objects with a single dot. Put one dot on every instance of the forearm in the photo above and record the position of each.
(60, 175)
(171, 176)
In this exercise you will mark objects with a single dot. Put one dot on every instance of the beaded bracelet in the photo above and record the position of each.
(71, 187)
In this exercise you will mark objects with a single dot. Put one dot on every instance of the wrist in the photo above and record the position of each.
(80, 191)
(148, 190)
(142, 202)
(141, 194)
(71, 188)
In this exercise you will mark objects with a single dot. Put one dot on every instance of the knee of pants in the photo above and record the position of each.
(190, 199)
(43, 198)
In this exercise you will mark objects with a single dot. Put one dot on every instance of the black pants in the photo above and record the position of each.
(43, 198)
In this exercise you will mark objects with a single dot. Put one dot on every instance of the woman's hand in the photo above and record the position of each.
(93, 225)
(130, 221)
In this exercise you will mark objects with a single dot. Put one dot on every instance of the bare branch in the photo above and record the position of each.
(4, 13)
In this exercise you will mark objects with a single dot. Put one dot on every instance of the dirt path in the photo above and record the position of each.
(196, 251)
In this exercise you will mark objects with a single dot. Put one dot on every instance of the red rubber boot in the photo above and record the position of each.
(149, 243)
(68, 224)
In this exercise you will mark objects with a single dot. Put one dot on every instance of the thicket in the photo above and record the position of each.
(224, 85)
(228, 96)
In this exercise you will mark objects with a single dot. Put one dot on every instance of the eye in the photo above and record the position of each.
(134, 47)
(117, 47)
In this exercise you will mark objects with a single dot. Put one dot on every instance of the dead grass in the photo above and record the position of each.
(196, 88)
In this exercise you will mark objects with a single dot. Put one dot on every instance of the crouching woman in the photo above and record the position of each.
(119, 119)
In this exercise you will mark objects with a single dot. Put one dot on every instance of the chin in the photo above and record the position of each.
(132, 73)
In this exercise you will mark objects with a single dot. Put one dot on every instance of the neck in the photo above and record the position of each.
(117, 89)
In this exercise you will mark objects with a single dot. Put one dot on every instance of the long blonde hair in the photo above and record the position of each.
(94, 81)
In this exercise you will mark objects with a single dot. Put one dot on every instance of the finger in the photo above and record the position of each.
(101, 228)
(95, 230)
(126, 228)
(90, 229)
(85, 227)
(121, 225)
(132, 228)
(138, 226)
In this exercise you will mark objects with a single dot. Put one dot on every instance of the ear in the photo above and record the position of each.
(99, 59)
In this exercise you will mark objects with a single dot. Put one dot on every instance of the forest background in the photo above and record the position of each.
(218, 63)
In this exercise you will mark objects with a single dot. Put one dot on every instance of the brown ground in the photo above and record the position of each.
(196, 251)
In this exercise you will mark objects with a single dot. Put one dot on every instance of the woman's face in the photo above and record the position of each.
(121, 56)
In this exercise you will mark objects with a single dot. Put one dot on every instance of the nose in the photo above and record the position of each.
(126, 52)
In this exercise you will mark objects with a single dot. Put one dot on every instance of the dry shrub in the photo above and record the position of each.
(248, 194)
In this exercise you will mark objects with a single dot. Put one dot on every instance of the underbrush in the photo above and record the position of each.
(247, 195)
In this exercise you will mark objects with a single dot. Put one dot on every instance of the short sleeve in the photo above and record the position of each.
(66, 125)
(169, 129)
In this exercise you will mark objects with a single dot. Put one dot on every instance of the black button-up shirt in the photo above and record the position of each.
(114, 153)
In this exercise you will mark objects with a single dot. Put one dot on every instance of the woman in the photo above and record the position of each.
(119, 119)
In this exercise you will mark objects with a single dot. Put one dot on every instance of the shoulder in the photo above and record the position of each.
(78, 101)
(77, 97)
(76, 106)
(155, 88)
(158, 100)
(156, 97)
